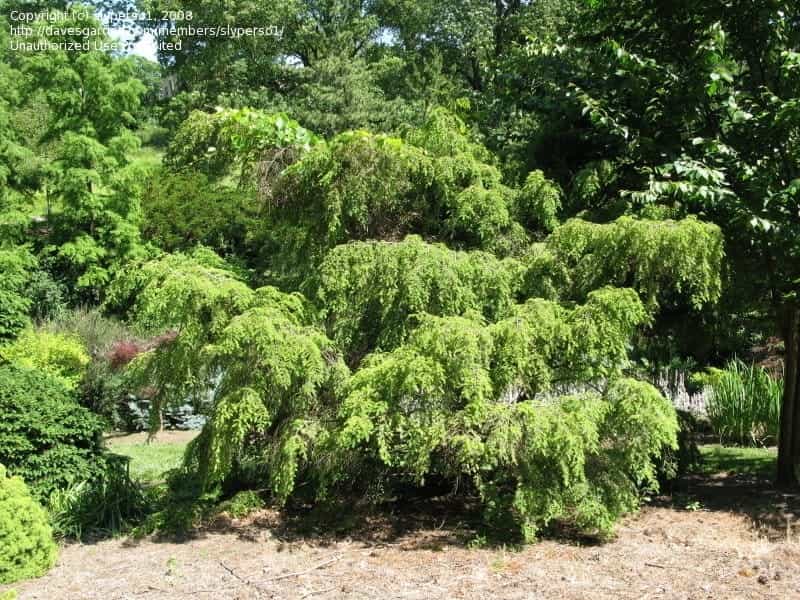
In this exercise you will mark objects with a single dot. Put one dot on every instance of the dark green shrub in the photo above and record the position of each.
(26, 541)
(46, 437)
(172, 221)
(47, 296)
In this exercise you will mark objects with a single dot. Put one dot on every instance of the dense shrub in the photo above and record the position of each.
(16, 266)
(357, 186)
(370, 290)
(188, 300)
(62, 356)
(459, 399)
(280, 377)
(46, 437)
(47, 296)
(434, 182)
(744, 407)
(26, 540)
(582, 459)
(537, 204)
(668, 262)
(173, 218)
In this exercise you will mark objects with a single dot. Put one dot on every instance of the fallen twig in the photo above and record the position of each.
(234, 573)
(298, 573)
(313, 592)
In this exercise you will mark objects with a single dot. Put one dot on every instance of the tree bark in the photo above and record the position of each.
(789, 435)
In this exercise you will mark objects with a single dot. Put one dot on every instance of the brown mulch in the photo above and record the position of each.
(723, 550)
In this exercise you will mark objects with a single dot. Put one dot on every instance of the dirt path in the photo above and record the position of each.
(659, 553)
(168, 436)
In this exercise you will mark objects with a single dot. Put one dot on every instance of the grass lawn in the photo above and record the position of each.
(743, 461)
(147, 156)
(149, 462)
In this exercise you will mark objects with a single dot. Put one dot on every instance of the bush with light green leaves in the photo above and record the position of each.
(60, 355)
(27, 548)
(370, 292)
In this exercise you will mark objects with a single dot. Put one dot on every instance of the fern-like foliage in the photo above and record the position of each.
(667, 262)
(370, 291)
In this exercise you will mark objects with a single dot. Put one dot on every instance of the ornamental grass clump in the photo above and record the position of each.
(745, 402)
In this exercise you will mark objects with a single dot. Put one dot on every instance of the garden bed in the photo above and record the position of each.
(723, 535)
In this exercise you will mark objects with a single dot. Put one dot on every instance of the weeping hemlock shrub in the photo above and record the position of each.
(460, 400)
(667, 262)
(456, 383)
(370, 290)
(434, 182)
(26, 541)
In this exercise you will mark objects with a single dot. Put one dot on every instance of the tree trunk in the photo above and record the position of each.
(789, 435)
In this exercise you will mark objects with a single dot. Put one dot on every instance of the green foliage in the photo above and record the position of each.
(370, 290)
(574, 459)
(279, 378)
(84, 102)
(48, 296)
(26, 540)
(189, 299)
(744, 407)
(538, 203)
(16, 265)
(61, 356)
(95, 229)
(665, 261)
(108, 505)
(341, 93)
(357, 186)
(241, 504)
(241, 140)
(478, 216)
(173, 220)
(45, 436)
(436, 406)
(88, 91)
(435, 181)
